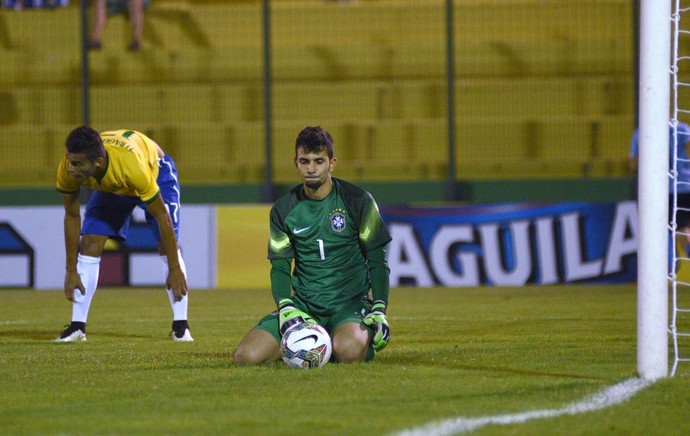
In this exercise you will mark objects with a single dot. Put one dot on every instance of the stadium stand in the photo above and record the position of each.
(543, 89)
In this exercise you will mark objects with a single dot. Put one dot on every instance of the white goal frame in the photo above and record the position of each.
(654, 104)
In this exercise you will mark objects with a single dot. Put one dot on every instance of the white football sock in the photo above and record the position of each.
(88, 268)
(179, 308)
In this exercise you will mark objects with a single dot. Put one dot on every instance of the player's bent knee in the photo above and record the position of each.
(349, 351)
(92, 245)
(350, 343)
(242, 358)
(347, 357)
(245, 356)
(256, 348)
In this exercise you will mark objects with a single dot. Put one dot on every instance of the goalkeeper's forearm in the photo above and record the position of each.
(380, 274)
(281, 286)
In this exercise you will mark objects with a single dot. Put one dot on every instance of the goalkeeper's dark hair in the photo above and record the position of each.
(85, 140)
(313, 140)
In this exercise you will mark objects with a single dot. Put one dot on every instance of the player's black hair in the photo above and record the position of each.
(313, 140)
(85, 140)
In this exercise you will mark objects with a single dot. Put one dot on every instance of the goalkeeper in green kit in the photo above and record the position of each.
(334, 233)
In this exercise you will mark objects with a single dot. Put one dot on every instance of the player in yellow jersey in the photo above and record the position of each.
(125, 169)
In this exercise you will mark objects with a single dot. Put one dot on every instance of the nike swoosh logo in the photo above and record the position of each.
(312, 337)
(298, 231)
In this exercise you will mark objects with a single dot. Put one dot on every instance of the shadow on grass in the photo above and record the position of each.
(34, 335)
(455, 362)
(518, 371)
(129, 335)
(49, 335)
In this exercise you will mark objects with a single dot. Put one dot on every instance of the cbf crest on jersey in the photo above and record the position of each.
(338, 221)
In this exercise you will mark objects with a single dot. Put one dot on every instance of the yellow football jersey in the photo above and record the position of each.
(131, 167)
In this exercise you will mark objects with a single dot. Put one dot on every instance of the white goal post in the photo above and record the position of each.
(654, 101)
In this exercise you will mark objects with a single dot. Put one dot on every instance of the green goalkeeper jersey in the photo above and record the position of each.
(330, 241)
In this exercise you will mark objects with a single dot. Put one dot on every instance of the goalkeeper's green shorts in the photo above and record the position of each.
(352, 313)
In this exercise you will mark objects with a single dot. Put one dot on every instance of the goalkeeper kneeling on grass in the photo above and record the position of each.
(334, 233)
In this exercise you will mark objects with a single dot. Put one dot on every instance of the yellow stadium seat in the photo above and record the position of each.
(325, 101)
(492, 140)
(614, 136)
(564, 139)
(25, 157)
(126, 105)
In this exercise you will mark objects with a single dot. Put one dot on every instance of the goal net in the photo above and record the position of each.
(680, 248)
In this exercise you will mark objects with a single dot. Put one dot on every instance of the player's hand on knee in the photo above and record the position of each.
(377, 319)
(289, 316)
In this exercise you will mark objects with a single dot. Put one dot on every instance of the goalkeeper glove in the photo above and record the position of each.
(289, 316)
(377, 319)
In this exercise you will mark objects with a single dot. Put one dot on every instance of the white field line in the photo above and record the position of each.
(608, 397)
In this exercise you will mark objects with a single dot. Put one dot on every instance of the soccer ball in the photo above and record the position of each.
(306, 346)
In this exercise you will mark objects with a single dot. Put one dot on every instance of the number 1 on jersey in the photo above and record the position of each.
(321, 250)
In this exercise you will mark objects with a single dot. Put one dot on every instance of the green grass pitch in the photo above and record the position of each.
(454, 353)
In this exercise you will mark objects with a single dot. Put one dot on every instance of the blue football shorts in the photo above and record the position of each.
(110, 214)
